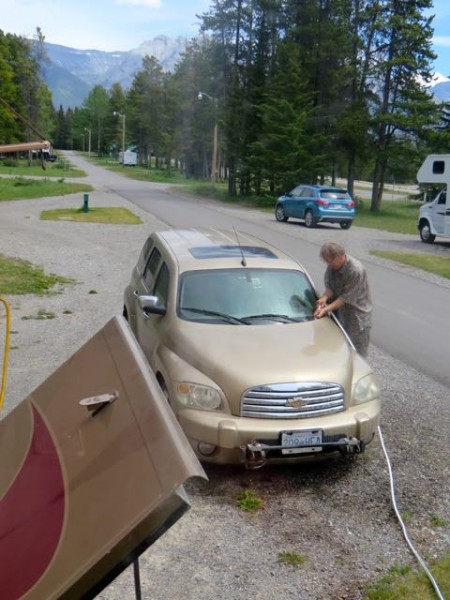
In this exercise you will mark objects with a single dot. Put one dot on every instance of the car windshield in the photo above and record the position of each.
(245, 296)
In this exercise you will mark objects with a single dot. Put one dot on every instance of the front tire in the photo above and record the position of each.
(310, 220)
(425, 233)
(345, 224)
(280, 215)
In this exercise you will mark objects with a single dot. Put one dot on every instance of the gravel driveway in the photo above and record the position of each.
(336, 515)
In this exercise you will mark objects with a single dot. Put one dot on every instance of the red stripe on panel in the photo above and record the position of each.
(31, 515)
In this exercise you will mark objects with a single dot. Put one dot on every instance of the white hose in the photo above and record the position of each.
(405, 533)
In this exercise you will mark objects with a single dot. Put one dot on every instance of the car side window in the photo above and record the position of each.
(144, 255)
(151, 268)
(297, 191)
(308, 193)
(442, 198)
(161, 290)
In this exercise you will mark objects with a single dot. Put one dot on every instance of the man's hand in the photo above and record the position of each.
(321, 309)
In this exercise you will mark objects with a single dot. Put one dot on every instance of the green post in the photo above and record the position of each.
(86, 203)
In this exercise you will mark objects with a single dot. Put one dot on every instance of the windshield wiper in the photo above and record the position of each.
(213, 313)
(272, 317)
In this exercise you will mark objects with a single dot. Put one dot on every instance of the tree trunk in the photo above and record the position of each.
(378, 184)
(232, 191)
(351, 173)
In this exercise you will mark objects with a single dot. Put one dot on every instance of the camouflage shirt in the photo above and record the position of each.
(350, 284)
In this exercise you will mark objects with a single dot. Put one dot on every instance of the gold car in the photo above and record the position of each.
(226, 323)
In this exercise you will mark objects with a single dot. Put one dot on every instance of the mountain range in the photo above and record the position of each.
(441, 88)
(71, 74)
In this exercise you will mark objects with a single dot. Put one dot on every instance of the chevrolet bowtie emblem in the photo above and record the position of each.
(296, 402)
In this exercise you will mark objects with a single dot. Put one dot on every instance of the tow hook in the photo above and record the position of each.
(351, 445)
(253, 455)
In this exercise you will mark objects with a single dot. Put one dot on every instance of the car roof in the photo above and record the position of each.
(323, 187)
(211, 248)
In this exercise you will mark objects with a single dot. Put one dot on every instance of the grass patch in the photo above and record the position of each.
(18, 277)
(220, 192)
(406, 516)
(401, 583)
(41, 315)
(249, 501)
(21, 168)
(398, 216)
(110, 215)
(437, 521)
(21, 188)
(439, 265)
(292, 559)
(139, 172)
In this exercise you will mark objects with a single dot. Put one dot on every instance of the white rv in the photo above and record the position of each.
(434, 216)
(128, 158)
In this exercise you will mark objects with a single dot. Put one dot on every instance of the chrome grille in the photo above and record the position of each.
(293, 400)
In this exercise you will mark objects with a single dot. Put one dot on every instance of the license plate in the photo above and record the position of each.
(338, 206)
(298, 442)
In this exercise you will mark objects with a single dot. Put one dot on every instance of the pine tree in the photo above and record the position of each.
(400, 58)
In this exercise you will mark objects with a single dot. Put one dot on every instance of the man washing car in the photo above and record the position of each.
(347, 293)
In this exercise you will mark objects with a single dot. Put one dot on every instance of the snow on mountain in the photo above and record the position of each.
(439, 78)
(440, 88)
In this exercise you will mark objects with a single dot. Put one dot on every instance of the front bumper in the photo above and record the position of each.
(257, 453)
(230, 434)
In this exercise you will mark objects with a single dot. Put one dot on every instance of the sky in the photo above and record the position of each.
(101, 24)
(124, 24)
(441, 38)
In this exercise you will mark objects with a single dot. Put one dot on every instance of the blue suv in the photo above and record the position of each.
(317, 204)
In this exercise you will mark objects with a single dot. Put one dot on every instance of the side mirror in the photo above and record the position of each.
(149, 306)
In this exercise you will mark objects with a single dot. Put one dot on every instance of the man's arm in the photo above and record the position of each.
(322, 306)
(324, 297)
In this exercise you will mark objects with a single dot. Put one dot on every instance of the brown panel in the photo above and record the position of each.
(113, 479)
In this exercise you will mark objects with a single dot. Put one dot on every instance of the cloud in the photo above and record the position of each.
(147, 3)
(441, 40)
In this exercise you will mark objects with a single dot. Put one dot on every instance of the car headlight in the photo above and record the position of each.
(192, 395)
(366, 389)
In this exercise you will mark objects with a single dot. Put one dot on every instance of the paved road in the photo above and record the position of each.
(337, 516)
(410, 321)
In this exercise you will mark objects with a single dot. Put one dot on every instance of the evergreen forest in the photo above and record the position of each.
(270, 93)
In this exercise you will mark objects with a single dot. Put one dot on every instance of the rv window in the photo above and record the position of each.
(438, 167)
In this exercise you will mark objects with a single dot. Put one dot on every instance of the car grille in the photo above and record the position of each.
(293, 400)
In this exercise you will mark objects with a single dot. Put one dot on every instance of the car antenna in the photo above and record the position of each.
(243, 261)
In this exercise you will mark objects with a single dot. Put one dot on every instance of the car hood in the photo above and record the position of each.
(239, 357)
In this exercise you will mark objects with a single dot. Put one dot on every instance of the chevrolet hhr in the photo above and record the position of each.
(226, 322)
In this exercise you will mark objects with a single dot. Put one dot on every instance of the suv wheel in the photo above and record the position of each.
(280, 215)
(425, 233)
(345, 224)
(310, 220)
